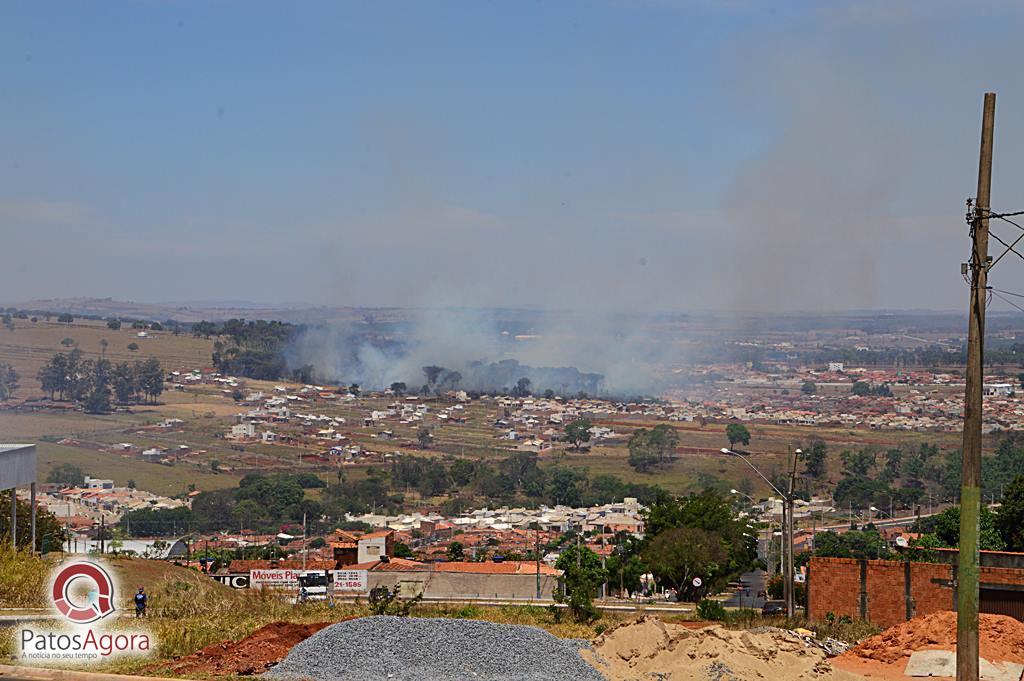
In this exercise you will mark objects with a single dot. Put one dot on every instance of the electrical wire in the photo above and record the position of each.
(1007, 300)
(1009, 248)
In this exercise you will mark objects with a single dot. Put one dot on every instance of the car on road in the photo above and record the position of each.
(773, 608)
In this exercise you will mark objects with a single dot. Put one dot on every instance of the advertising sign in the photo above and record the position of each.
(351, 580)
(274, 579)
(236, 580)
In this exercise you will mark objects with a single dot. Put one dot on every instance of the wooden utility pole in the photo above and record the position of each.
(788, 514)
(970, 492)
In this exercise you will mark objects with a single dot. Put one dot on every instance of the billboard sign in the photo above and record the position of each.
(274, 579)
(351, 580)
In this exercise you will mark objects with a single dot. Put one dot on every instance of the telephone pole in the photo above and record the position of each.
(789, 587)
(970, 492)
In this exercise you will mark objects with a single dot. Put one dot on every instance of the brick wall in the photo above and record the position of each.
(834, 586)
(930, 587)
(876, 590)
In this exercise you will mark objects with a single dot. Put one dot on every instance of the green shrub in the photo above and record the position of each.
(710, 609)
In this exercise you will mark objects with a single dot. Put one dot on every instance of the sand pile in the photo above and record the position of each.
(651, 649)
(254, 654)
(1001, 639)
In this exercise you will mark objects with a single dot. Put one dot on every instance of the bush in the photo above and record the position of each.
(710, 609)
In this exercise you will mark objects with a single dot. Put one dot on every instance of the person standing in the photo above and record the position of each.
(140, 602)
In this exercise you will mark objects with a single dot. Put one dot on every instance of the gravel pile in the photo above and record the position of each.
(420, 649)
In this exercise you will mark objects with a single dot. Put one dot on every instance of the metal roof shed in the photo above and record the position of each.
(18, 469)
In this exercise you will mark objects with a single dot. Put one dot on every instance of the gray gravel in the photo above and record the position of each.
(422, 649)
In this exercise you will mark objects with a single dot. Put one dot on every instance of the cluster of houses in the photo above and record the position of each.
(919, 400)
(99, 501)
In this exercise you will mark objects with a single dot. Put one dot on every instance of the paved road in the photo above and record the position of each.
(746, 596)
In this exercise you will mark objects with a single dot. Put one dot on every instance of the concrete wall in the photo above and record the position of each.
(465, 585)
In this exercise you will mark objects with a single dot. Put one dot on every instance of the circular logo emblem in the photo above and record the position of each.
(99, 596)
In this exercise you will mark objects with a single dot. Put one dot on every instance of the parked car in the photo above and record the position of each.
(773, 608)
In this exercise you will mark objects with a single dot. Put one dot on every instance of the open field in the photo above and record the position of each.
(31, 345)
(153, 477)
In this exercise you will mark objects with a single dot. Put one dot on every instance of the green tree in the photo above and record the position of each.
(66, 474)
(946, 528)
(97, 399)
(133, 346)
(642, 455)
(776, 588)
(582, 576)
(858, 463)
(867, 543)
(126, 388)
(737, 433)
(808, 388)
(522, 388)
(424, 437)
(566, 486)
(678, 555)
(150, 378)
(68, 342)
(578, 431)
(50, 535)
(816, 459)
(455, 552)
(114, 324)
(53, 376)
(65, 318)
(861, 389)
(398, 387)
(1010, 520)
(712, 512)
(650, 448)
(8, 381)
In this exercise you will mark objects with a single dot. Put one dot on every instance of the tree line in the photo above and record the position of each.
(93, 383)
(270, 502)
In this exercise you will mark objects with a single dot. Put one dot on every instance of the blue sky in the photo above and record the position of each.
(623, 154)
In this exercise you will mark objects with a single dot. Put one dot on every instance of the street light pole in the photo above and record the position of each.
(787, 525)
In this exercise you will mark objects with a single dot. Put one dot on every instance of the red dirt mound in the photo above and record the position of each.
(1001, 638)
(254, 654)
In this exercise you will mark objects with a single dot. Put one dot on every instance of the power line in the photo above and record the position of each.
(1008, 293)
(1007, 300)
(1009, 248)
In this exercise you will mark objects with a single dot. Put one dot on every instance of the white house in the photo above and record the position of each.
(998, 389)
(243, 431)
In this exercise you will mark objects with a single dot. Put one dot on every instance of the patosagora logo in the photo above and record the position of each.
(83, 592)
(99, 592)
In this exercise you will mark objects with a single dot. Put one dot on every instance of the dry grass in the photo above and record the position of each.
(30, 345)
(22, 578)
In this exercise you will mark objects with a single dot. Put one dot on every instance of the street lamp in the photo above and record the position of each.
(736, 491)
(787, 521)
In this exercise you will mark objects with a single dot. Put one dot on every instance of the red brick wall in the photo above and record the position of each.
(887, 602)
(928, 595)
(834, 586)
(1001, 575)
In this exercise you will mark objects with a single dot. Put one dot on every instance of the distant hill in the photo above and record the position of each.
(188, 312)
